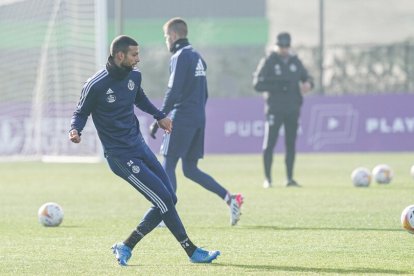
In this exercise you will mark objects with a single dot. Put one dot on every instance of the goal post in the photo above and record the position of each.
(48, 50)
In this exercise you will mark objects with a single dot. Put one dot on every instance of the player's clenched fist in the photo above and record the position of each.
(74, 136)
(165, 124)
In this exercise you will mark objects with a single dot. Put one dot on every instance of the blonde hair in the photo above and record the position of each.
(176, 25)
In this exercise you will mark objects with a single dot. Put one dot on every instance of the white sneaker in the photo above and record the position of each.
(236, 202)
(267, 184)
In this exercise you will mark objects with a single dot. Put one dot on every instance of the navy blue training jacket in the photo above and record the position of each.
(110, 97)
(187, 92)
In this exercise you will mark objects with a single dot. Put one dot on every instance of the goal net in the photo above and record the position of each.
(48, 49)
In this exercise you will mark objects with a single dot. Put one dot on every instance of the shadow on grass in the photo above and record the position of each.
(70, 226)
(302, 269)
(281, 228)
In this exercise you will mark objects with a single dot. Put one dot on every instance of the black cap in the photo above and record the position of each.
(283, 39)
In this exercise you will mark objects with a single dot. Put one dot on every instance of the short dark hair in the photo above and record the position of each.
(177, 25)
(121, 44)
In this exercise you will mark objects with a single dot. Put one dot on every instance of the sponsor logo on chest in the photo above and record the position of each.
(110, 98)
(278, 69)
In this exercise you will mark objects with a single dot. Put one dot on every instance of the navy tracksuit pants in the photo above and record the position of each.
(144, 172)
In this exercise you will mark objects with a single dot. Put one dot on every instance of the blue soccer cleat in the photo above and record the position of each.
(122, 253)
(204, 256)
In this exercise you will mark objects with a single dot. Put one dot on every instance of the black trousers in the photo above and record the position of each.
(273, 123)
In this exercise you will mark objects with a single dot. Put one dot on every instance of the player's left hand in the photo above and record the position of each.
(165, 124)
(74, 136)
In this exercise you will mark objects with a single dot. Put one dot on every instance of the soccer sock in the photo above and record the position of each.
(151, 219)
(188, 246)
(133, 239)
(227, 198)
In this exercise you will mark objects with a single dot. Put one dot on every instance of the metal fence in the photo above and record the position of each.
(348, 69)
(363, 69)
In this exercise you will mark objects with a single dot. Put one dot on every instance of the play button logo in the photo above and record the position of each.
(332, 123)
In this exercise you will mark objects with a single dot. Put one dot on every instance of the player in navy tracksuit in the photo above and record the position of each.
(110, 96)
(186, 100)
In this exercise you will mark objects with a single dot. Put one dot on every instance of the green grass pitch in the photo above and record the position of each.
(326, 227)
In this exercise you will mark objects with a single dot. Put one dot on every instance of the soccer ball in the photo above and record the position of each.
(382, 174)
(361, 177)
(407, 219)
(50, 214)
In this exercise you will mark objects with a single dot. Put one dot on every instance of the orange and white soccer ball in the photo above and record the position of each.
(50, 214)
(361, 177)
(382, 174)
(407, 219)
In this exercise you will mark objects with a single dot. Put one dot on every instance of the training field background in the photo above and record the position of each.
(326, 227)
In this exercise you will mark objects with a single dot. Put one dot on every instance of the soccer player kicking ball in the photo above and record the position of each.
(186, 99)
(110, 96)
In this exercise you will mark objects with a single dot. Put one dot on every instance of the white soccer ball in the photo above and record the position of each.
(382, 174)
(407, 219)
(50, 214)
(361, 177)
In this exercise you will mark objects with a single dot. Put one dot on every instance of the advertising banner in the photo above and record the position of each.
(363, 123)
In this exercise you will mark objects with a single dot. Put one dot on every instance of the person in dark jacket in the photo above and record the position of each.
(185, 101)
(110, 96)
(282, 79)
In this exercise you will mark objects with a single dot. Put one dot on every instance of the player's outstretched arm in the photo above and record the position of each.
(74, 136)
